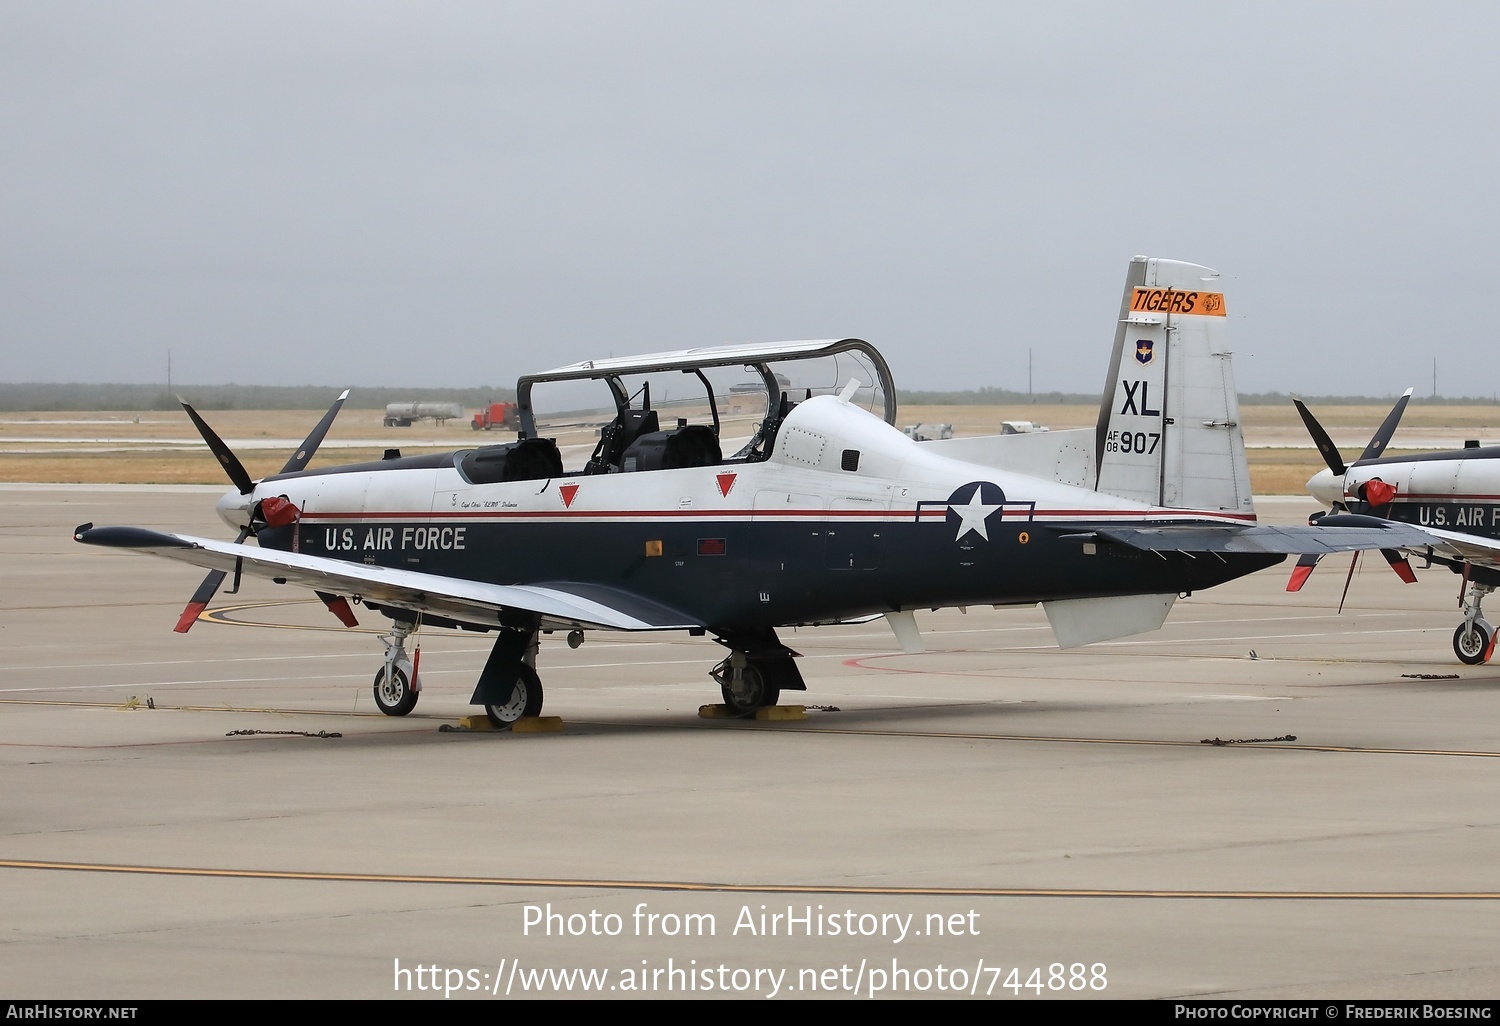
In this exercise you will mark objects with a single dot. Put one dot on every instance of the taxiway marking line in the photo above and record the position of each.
(748, 726)
(1277, 746)
(748, 888)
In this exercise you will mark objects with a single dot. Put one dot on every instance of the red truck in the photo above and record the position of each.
(501, 415)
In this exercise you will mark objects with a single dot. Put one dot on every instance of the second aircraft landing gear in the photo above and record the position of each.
(1474, 641)
(396, 682)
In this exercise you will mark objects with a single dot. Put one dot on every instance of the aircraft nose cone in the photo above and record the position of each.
(234, 509)
(1326, 488)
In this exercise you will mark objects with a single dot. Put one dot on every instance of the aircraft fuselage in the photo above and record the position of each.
(805, 536)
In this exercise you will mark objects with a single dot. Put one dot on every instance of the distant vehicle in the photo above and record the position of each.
(756, 387)
(928, 432)
(496, 415)
(405, 414)
(1019, 427)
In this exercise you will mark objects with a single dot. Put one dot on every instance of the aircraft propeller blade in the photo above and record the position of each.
(1305, 564)
(227, 459)
(1400, 564)
(1376, 446)
(339, 607)
(1302, 571)
(1321, 440)
(205, 593)
(315, 437)
(1382, 436)
(241, 479)
(1335, 461)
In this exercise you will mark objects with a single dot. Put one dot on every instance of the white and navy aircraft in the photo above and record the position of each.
(826, 513)
(1452, 497)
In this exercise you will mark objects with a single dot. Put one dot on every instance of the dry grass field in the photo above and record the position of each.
(161, 447)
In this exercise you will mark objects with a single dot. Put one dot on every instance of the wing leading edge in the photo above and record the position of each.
(559, 604)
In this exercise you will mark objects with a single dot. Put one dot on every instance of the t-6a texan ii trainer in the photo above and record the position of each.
(1452, 497)
(734, 491)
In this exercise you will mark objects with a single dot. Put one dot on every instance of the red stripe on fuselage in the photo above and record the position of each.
(899, 516)
(1409, 497)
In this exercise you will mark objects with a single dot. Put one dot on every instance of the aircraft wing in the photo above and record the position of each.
(560, 604)
(1470, 548)
(1367, 533)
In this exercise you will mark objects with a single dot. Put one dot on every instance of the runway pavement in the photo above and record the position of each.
(992, 805)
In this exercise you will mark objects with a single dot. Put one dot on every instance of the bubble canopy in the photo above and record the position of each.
(713, 380)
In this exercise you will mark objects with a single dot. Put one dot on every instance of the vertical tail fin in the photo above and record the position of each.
(1168, 431)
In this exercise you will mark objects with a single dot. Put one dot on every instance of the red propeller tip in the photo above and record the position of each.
(189, 616)
(339, 607)
(1299, 577)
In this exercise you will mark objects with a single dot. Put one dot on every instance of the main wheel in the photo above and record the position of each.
(525, 700)
(395, 696)
(1472, 644)
(752, 691)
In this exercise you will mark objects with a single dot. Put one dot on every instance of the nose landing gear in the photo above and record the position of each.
(396, 682)
(1474, 640)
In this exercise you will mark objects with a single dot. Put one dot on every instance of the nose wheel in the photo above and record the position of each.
(396, 682)
(394, 694)
(1474, 640)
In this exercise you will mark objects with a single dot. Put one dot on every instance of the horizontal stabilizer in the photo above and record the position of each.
(1290, 540)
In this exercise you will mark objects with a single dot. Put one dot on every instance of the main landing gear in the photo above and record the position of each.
(753, 676)
(758, 668)
(744, 684)
(1474, 640)
(508, 686)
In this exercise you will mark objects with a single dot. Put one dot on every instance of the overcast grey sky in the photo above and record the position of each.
(380, 193)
